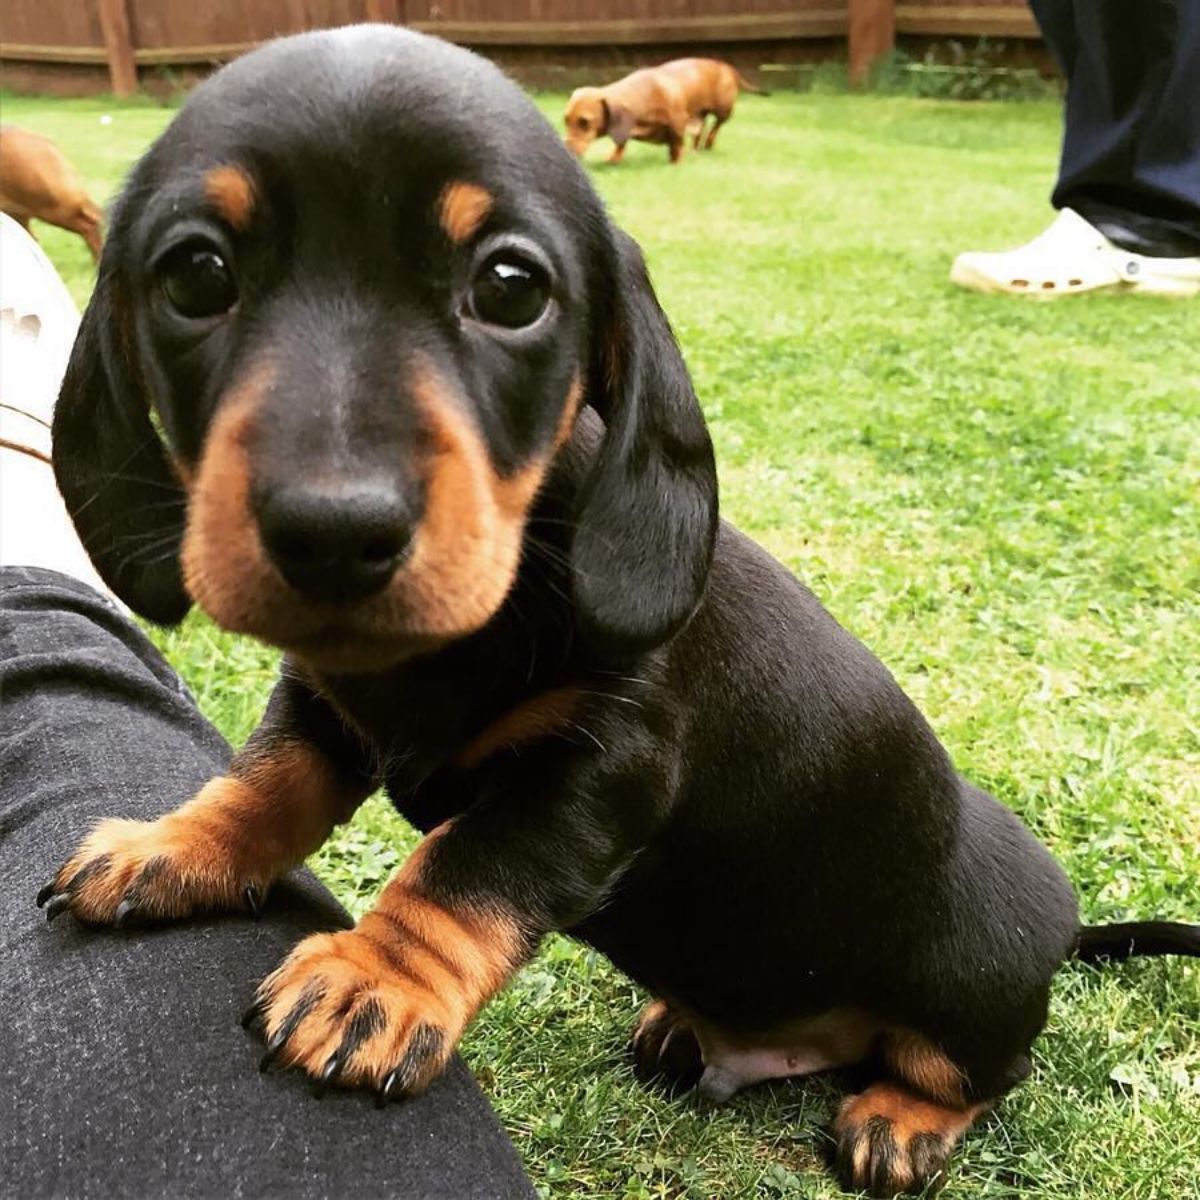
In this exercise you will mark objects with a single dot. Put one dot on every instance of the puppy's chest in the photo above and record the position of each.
(429, 744)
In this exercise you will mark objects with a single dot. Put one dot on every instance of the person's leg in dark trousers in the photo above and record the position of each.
(1131, 142)
(124, 1071)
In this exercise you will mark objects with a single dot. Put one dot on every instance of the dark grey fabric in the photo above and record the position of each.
(123, 1071)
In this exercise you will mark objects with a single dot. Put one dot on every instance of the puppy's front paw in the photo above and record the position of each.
(349, 1010)
(129, 871)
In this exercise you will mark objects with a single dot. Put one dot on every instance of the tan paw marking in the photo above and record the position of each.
(383, 1005)
(892, 1141)
(173, 867)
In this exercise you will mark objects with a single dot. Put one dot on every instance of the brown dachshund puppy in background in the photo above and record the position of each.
(656, 104)
(36, 180)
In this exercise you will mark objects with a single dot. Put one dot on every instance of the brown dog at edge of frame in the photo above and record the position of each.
(38, 181)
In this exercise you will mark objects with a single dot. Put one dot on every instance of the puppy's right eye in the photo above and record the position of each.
(197, 281)
(509, 292)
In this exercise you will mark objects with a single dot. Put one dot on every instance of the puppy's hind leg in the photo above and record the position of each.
(897, 1136)
(891, 1140)
(665, 1049)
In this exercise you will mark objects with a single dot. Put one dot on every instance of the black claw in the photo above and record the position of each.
(253, 899)
(329, 1074)
(126, 909)
(308, 1000)
(424, 1046)
(46, 893)
(251, 1015)
(385, 1093)
(56, 905)
(273, 1048)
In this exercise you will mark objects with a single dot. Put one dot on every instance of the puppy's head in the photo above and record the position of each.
(586, 118)
(351, 305)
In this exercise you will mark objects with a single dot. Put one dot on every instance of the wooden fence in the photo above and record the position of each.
(97, 45)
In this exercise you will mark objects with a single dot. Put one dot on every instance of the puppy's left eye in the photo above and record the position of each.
(509, 292)
(197, 281)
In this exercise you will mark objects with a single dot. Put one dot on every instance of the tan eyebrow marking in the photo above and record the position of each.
(462, 208)
(230, 190)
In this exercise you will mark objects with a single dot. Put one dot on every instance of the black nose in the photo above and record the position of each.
(336, 545)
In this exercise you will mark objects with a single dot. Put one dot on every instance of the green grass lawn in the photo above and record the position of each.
(1001, 498)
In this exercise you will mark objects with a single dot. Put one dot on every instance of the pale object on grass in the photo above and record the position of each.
(38, 323)
(1070, 257)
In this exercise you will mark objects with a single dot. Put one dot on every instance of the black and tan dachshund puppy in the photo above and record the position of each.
(369, 374)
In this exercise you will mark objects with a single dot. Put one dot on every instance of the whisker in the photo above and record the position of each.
(624, 678)
(120, 476)
(587, 733)
(611, 696)
(141, 535)
(563, 521)
(115, 475)
(155, 561)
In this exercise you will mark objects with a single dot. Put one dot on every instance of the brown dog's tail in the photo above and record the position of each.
(1115, 943)
(746, 86)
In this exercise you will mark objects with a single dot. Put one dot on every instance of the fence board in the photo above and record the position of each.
(34, 23)
(114, 25)
(872, 35)
(748, 27)
(985, 18)
(544, 35)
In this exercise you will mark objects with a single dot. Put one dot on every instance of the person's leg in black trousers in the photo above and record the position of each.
(1128, 188)
(1131, 131)
(123, 1071)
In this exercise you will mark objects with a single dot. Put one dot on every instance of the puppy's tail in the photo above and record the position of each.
(1115, 943)
(746, 86)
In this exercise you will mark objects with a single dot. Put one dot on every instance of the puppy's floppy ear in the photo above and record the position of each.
(618, 121)
(647, 513)
(112, 470)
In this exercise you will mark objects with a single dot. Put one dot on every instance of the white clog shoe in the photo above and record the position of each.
(1073, 256)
